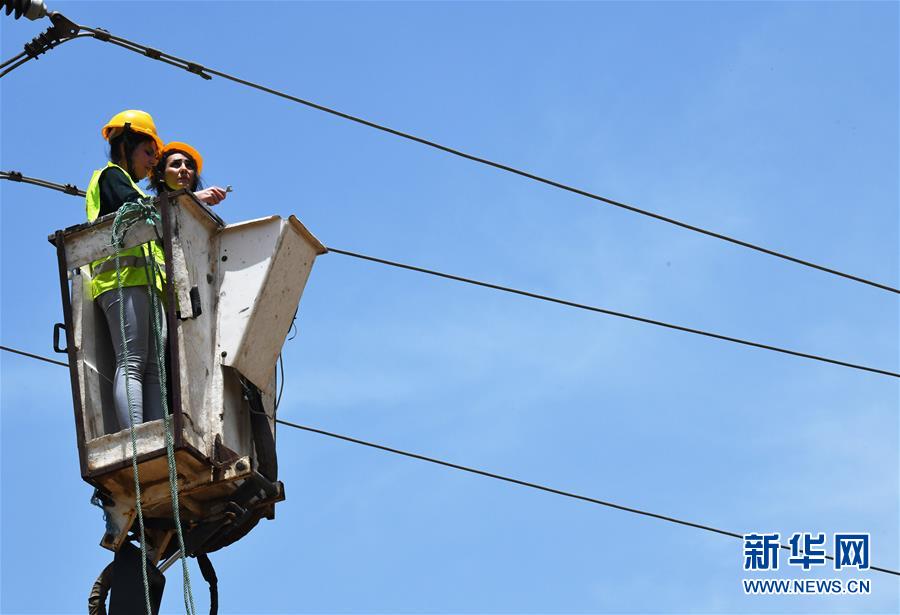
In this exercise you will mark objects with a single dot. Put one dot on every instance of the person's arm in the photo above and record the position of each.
(211, 196)
(115, 190)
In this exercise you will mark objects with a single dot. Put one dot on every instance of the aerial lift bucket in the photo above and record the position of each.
(231, 294)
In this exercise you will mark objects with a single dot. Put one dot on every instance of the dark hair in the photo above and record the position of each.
(158, 172)
(128, 140)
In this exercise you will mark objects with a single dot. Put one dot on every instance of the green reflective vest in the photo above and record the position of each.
(131, 261)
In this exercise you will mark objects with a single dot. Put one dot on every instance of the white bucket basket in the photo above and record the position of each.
(232, 293)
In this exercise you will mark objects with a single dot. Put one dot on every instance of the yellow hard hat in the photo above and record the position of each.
(187, 149)
(138, 121)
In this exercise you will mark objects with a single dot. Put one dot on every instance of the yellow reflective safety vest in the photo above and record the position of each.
(132, 261)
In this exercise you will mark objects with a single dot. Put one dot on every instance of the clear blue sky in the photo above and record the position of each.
(774, 122)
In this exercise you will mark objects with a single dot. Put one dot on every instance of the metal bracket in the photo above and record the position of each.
(61, 29)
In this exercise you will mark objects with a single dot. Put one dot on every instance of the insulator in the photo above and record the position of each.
(32, 9)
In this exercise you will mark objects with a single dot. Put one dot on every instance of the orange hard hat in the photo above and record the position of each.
(187, 149)
(138, 121)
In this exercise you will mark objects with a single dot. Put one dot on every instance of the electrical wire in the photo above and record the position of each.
(13, 59)
(293, 325)
(14, 66)
(43, 183)
(205, 72)
(515, 481)
(279, 378)
(600, 310)
(553, 490)
(33, 356)
(52, 45)
(572, 304)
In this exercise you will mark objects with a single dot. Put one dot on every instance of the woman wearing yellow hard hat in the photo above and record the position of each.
(179, 166)
(133, 149)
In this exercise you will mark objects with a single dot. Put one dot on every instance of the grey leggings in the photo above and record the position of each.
(143, 367)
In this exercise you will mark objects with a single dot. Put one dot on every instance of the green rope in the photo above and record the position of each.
(117, 240)
(170, 444)
(130, 214)
(127, 216)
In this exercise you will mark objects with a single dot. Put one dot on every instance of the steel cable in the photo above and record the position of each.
(599, 310)
(43, 183)
(34, 356)
(13, 59)
(6, 71)
(553, 490)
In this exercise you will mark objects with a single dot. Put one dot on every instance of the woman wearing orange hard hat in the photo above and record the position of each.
(133, 149)
(179, 166)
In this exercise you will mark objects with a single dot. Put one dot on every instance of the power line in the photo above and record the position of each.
(13, 59)
(69, 188)
(508, 479)
(34, 49)
(600, 310)
(205, 72)
(553, 490)
(43, 183)
(33, 356)
(515, 481)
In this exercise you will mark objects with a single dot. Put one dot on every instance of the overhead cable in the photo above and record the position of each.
(43, 183)
(515, 481)
(33, 356)
(60, 32)
(553, 490)
(524, 293)
(206, 73)
(600, 310)
(13, 59)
